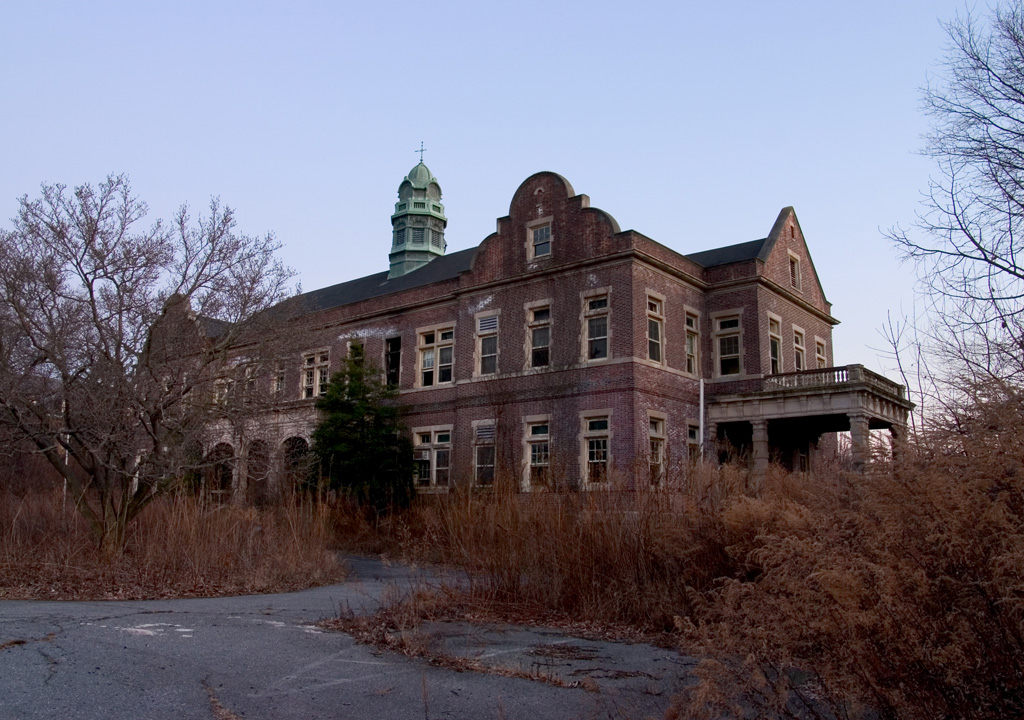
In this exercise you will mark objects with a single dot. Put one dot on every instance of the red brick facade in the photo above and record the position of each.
(590, 277)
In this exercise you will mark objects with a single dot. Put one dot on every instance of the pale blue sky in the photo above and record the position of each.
(693, 123)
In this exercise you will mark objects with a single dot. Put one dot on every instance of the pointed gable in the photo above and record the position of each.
(788, 261)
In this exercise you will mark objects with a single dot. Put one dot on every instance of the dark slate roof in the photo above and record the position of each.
(212, 328)
(446, 267)
(729, 254)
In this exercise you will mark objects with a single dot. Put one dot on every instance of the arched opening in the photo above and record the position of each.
(219, 474)
(296, 466)
(257, 473)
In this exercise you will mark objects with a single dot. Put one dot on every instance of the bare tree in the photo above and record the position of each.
(115, 339)
(968, 241)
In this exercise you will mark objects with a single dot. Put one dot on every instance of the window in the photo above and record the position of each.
(595, 448)
(437, 238)
(798, 350)
(596, 318)
(693, 441)
(487, 344)
(655, 320)
(484, 453)
(727, 338)
(436, 356)
(539, 320)
(819, 354)
(775, 345)
(692, 343)
(392, 360)
(357, 353)
(657, 457)
(432, 456)
(315, 374)
(400, 237)
(794, 271)
(541, 241)
(417, 236)
(277, 384)
(538, 441)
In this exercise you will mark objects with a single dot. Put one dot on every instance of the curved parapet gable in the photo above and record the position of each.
(548, 225)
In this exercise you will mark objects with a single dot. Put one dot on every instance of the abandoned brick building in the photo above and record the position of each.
(564, 352)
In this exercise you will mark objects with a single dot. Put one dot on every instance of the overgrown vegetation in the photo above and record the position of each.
(181, 547)
(358, 441)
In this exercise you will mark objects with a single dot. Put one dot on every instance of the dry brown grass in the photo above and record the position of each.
(178, 547)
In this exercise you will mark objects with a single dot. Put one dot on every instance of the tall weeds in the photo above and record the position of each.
(181, 546)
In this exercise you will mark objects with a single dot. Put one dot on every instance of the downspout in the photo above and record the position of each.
(701, 421)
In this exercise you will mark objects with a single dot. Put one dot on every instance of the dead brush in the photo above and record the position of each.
(883, 595)
(180, 547)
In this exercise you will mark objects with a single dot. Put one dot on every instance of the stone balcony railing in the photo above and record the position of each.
(835, 378)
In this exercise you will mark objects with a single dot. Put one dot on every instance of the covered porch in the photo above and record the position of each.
(786, 418)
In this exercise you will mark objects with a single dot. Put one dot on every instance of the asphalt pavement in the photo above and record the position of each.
(263, 656)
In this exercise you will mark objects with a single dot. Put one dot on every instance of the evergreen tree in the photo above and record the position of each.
(359, 442)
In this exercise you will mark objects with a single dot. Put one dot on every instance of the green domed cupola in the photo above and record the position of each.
(418, 224)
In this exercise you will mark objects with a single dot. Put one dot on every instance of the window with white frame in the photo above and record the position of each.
(432, 454)
(655, 327)
(728, 346)
(436, 355)
(316, 368)
(596, 321)
(692, 343)
(487, 344)
(820, 357)
(483, 453)
(596, 436)
(540, 241)
(656, 437)
(798, 350)
(774, 345)
(539, 330)
(794, 271)
(277, 383)
(538, 442)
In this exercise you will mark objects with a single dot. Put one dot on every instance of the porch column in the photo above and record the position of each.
(759, 443)
(899, 437)
(861, 438)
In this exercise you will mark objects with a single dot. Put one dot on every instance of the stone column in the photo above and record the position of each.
(759, 455)
(861, 438)
(899, 437)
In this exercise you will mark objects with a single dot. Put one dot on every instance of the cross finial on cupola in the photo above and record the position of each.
(421, 151)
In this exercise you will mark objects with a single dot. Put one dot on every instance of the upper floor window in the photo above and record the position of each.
(539, 319)
(727, 338)
(692, 343)
(819, 354)
(315, 374)
(437, 352)
(392, 360)
(794, 271)
(775, 345)
(798, 350)
(541, 241)
(655, 325)
(597, 327)
(487, 344)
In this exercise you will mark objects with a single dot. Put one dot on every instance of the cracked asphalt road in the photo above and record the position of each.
(263, 657)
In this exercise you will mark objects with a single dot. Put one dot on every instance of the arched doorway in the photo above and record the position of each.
(219, 474)
(296, 466)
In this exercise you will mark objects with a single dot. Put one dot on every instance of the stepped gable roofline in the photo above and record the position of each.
(446, 267)
(570, 194)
